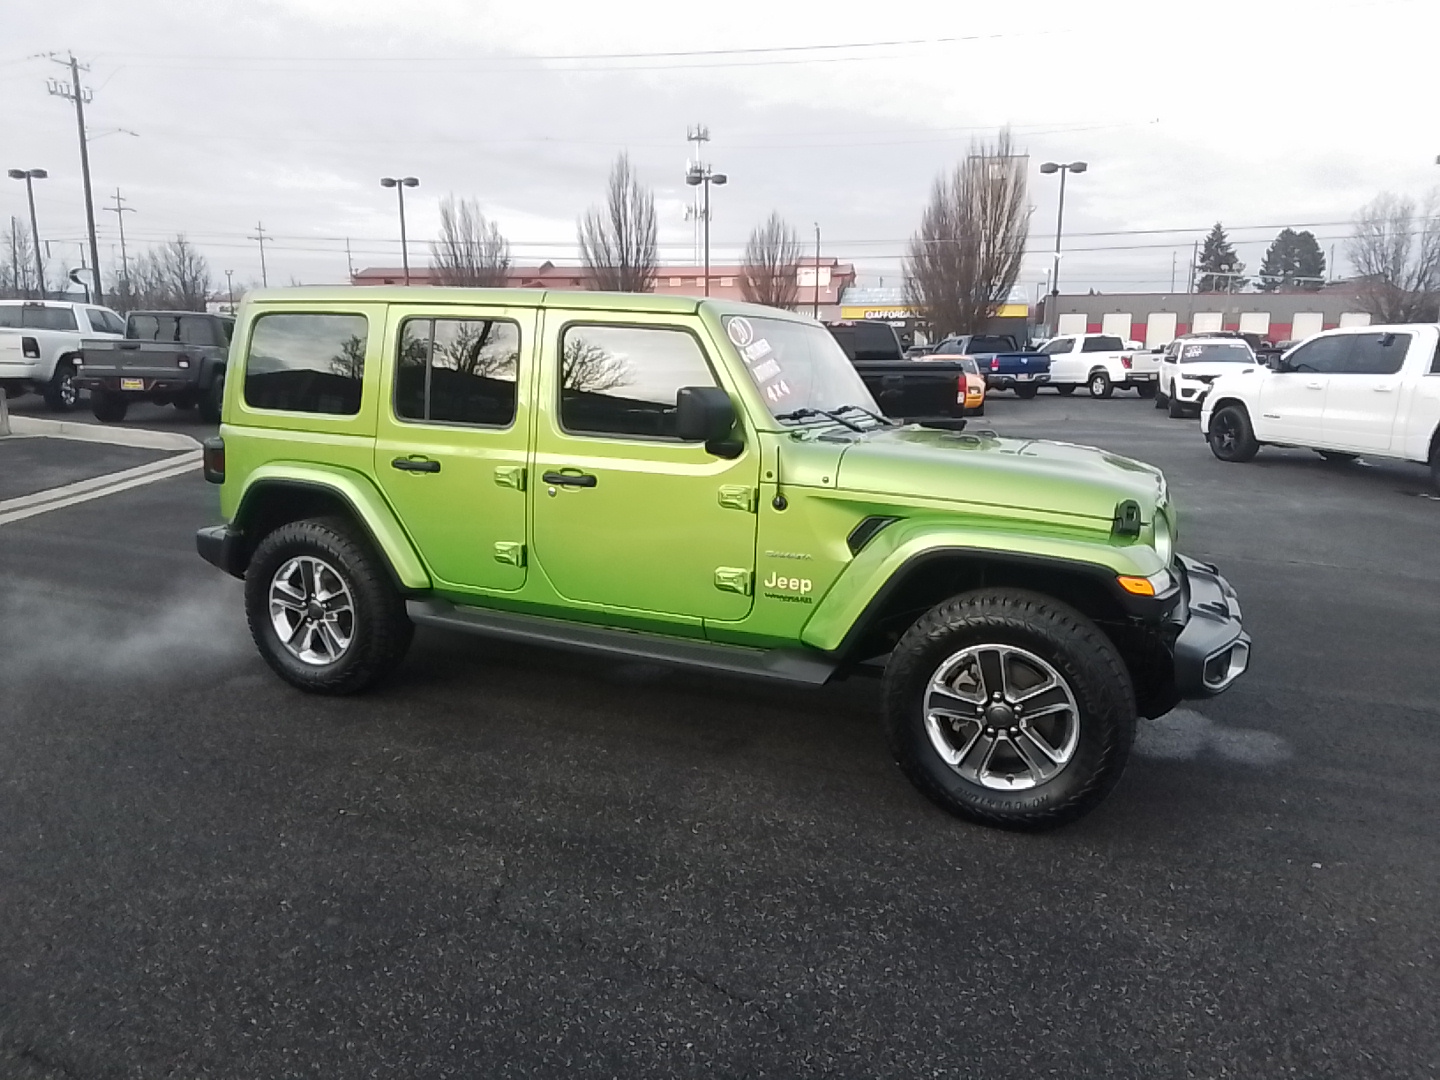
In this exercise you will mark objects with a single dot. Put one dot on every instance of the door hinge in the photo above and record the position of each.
(511, 476)
(511, 552)
(732, 579)
(737, 497)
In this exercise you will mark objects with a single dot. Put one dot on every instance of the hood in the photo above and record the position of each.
(985, 469)
(1215, 370)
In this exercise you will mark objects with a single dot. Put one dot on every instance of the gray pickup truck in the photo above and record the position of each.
(168, 357)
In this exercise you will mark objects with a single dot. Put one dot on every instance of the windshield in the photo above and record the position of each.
(796, 366)
(1218, 352)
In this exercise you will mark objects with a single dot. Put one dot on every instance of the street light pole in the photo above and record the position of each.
(230, 288)
(400, 183)
(815, 309)
(1063, 169)
(705, 176)
(30, 175)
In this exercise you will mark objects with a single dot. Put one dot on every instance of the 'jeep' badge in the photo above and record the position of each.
(795, 590)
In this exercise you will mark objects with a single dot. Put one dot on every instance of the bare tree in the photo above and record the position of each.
(588, 367)
(471, 251)
(965, 259)
(173, 277)
(769, 274)
(617, 241)
(1397, 258)
(17, 263)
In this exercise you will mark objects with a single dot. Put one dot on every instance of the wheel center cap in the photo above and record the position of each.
(315, 610)
(999, 715)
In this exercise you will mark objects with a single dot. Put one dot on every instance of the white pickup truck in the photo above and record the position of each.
(1372, 390)
(1102, 363)
(40, 346)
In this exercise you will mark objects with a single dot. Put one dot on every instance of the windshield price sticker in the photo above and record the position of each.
(1192, 351)
(766, 371)
(755, 350)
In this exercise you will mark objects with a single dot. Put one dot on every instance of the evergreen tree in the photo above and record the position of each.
(1220, 268)
(1292, 261)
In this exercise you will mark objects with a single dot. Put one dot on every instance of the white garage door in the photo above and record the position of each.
(1207, 322)
(1354, 318)
(1116, 324)
(1076, 322)
(1306, 324)
(1255, 322)
(1159, 329)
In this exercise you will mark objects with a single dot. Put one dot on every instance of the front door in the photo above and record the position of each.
(1065, 362)
(451, 440)
(625, 514)
(1363, 396)
(1292, 402)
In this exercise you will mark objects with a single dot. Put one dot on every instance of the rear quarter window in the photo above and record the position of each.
(306, 363)
(1102, 344)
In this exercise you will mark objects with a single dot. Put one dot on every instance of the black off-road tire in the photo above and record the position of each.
(211, 400)
(1435, 462)
(1073, 645)
(1100, 385)
(61, 394)
(108, 408)
(1177, 410)
(381, 631)
(1161, 399)
(1147, 389)
(1066, 390)
(1026, 392)
(1232, 420)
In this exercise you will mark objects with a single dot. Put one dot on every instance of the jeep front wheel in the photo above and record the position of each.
(1010, 709)
(322, 609)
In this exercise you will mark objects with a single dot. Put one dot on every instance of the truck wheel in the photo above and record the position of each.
(1160, 399)
(1337, 457)
(108, 408)
(1066, 390)
(1231, 436)
(1100, 386)
(322, 609)
(1176, 409)
(61, 393)
(211, 400)
(1009, 708)
(1147, 389)
(1026, 392)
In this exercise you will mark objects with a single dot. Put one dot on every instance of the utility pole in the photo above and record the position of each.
(73, 91)
(230, 287)
(1194, 261)
(1174, 257)
(349, 263)
(259, 235)
(815, 310)
(120, 210)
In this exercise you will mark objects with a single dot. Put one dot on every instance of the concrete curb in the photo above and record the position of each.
(115, 436)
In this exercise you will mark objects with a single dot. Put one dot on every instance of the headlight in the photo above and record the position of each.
(1164, 539)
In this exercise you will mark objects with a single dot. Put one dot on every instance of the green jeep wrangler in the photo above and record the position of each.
(709, 484)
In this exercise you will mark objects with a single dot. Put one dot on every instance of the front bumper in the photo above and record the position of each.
(1212, 649)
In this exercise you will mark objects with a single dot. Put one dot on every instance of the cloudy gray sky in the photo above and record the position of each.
(1258, 113)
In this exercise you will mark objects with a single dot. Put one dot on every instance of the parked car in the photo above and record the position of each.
(905, 389)
(972, 389)
(1190, 364)
(168, 357)
(40, 342)
(732, 503)
(1368, 390)
(1005, 365)
(1102, 363)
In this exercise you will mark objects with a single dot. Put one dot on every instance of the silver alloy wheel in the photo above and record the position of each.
(1001, 717)
(69, 392)
(312, 611)
(1097, 385)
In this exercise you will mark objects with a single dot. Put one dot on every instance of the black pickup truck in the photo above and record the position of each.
(905, 389)
(168, 357)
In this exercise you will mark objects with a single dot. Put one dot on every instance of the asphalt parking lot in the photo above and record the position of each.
(513, 862)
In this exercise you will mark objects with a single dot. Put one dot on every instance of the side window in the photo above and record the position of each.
(306, 363)
(1377, 354)
(457, 371)
(1059, 345)
(1322, 356)
(10, 316)
(1102, 344)
(623, 380)
(36, 317)
(196, 331)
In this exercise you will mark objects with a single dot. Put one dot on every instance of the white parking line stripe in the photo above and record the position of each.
(42, 502)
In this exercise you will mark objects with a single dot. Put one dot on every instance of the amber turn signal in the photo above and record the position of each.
(1138, 585)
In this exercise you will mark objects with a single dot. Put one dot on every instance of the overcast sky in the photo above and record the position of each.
(1257, 113)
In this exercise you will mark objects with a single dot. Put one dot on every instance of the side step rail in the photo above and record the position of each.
(786, 665)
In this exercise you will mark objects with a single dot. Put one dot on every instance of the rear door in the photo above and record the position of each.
(1362, 395)
(451, 438)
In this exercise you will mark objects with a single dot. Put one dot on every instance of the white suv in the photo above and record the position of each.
(1191, 364)
(40, 346)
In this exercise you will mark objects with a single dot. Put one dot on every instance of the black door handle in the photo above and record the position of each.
(569, 479)
(411, 465)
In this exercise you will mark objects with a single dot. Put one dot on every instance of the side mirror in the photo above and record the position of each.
(705, 414)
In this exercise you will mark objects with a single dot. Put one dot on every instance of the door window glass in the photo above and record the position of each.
(306, 363)
(1377, 354)
(197, 330)
(1322, 356)
(1059, 345)
(624, 380)
(458, 371)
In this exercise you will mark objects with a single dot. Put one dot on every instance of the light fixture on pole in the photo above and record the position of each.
(705, 177)
(29, 175)
(1062, 168)
(400, 183)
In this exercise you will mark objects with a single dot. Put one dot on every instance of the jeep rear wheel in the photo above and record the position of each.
(322, 609)
(1010, 709)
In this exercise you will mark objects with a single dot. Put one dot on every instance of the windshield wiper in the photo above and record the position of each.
(873, 416)
(805, 414)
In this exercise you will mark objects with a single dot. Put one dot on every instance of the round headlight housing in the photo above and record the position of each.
(1164, 538)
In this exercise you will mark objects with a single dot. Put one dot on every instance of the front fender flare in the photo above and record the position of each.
(364, 500)
(895, 549)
